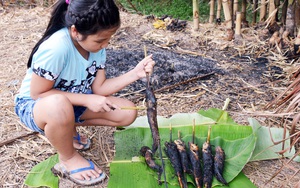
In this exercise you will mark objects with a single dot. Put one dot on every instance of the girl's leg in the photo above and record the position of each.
(112, 118)
(54, 114)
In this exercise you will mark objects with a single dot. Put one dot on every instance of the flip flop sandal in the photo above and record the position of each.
(85, 146)
(60, 170)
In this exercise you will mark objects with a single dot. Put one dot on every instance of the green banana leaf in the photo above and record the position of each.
(41, 175)
(265, 148)
(237, 141)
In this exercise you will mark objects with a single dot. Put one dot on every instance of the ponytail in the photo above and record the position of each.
(57, 21)
(88, 16)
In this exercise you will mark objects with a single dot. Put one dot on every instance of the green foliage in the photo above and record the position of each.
(237, 141)
(41, 175)
(182, 9)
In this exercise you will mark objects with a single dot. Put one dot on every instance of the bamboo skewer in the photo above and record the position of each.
(133, 108)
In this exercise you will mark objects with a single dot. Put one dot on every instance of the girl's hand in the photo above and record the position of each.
(145, 66)
(97, 103)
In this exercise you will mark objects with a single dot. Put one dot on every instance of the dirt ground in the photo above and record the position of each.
(250, 74)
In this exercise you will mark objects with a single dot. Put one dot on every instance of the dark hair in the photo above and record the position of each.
(88, 16)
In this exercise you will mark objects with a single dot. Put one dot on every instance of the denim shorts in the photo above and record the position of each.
(24, 109)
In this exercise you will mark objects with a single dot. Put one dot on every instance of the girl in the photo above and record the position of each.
(65, 84)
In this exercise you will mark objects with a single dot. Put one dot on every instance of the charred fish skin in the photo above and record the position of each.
(219, 161)
(208, 162)
(172, 153)
(194, 157)
(146, 152)
(152, 117)
(185, 161)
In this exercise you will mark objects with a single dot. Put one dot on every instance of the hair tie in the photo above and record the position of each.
(68, 1)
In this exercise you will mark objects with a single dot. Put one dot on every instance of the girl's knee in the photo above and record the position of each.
(57, 107)
(129, 115)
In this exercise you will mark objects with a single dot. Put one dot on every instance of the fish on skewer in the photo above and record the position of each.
(152, 120)
(194, 156)
(172, 153)
(208, 162)
(152, 117)
(147, 153)
(185, 161)
(219, 161)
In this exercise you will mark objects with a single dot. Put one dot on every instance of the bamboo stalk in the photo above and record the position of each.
(212, 11)
(196, 14)
(227, 14)
(272, 8)
(263, 8)
(235, 7)
(219, 6)
(238, 24)
(228, 20)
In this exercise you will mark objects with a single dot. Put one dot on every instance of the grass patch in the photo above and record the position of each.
(182, 9)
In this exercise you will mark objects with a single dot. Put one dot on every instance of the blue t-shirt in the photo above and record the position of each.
(57, 59)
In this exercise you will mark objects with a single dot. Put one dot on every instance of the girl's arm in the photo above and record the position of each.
(106, 87)
(41, 87)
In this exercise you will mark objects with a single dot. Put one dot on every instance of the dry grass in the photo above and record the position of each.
(22, 29)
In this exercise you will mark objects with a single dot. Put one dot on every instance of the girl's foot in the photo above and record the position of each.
(81, 142)
(79, 170)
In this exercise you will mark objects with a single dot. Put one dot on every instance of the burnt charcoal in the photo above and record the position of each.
(170, 68)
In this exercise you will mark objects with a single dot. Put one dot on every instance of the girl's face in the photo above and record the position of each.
(96, 42)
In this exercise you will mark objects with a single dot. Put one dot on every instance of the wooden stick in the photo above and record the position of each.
(18, 137)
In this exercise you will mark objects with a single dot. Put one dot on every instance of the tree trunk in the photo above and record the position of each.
(297, 14)
(290, 17)
(277, 4)
(284, 13)
(244, 13)
(254, 11)
(196, 14)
